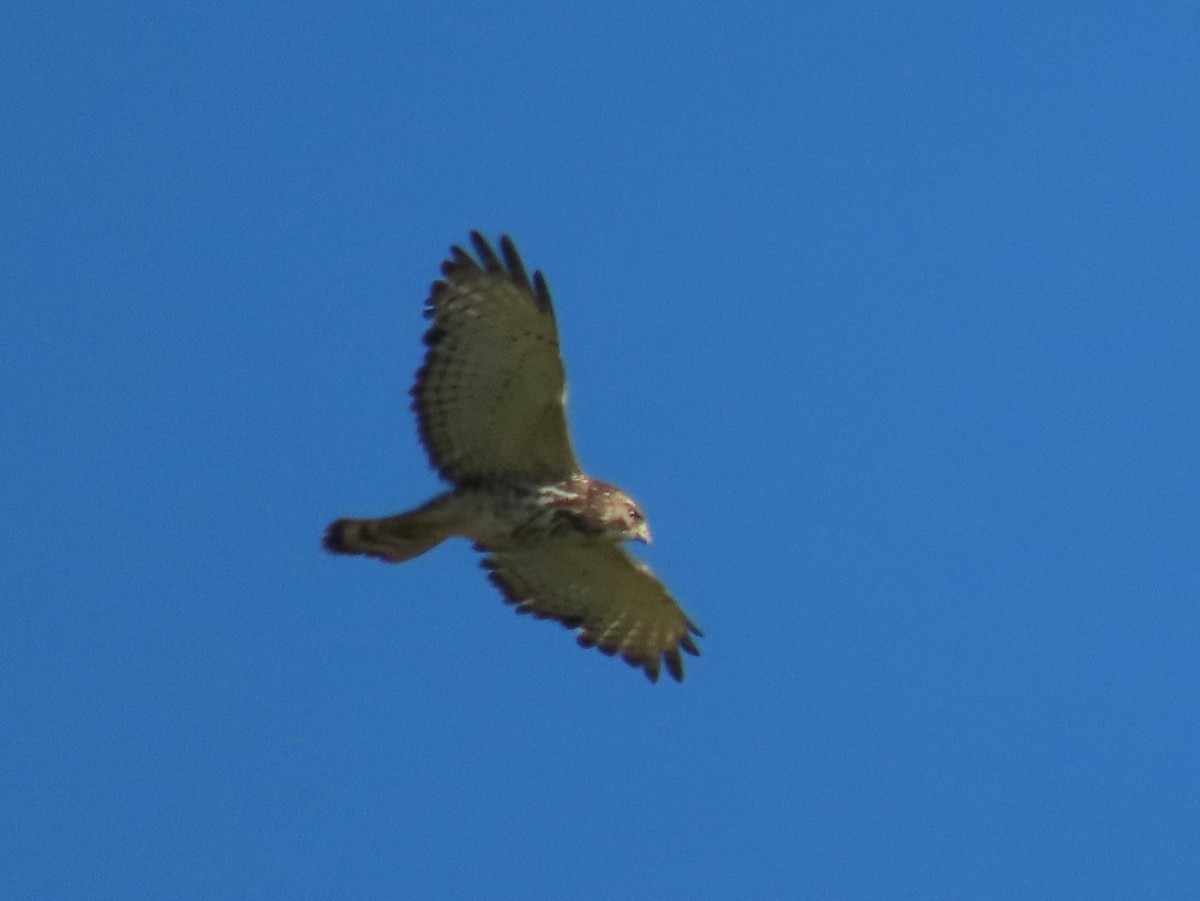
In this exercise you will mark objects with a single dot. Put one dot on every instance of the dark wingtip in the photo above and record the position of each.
(541, 292)
(459, 259)
(511, 266)
(512, 260)
(487, 256)
(674, 664)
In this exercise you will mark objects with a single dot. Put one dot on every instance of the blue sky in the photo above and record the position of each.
(886, 313)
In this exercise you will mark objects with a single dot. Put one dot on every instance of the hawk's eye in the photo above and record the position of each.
(634, 514)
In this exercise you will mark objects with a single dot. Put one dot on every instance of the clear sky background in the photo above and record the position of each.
(887, 313)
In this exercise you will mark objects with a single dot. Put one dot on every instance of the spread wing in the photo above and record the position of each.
(489, 397)
(599, 589)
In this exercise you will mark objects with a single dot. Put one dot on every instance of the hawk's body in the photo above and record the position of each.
(489, 401)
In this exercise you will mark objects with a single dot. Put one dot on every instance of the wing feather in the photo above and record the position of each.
(489, 396)
(614, 601)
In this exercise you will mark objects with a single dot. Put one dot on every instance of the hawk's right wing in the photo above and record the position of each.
(601, 590)
(489, 397)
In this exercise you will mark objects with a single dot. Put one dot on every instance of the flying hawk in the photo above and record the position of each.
(489, 400)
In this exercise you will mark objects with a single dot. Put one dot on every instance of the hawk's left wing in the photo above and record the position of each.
(601, 590)
(489, 397)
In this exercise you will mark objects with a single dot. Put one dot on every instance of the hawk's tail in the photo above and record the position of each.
(393, 538)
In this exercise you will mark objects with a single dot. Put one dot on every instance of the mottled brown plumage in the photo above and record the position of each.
(489, 400)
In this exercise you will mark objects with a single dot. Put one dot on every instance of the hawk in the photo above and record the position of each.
(489, 400)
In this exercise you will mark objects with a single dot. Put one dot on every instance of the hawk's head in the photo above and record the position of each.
(620, 517)
(595, 508)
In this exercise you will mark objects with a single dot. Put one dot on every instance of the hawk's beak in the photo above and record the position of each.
(642, 534)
